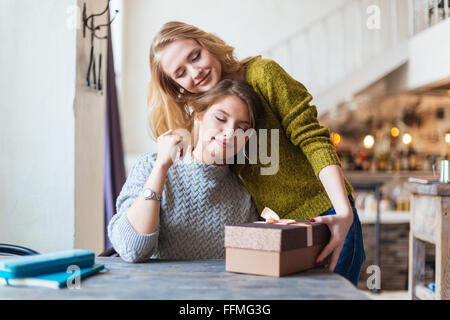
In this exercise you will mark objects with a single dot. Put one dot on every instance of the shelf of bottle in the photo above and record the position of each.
(386, 217)
(384, 176)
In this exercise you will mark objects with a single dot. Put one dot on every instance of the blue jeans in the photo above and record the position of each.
(352, 255)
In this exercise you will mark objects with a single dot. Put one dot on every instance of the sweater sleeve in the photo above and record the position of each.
(129, 244)
(290, 101)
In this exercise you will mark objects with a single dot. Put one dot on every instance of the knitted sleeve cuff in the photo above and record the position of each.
(323, 157)
(129, 244)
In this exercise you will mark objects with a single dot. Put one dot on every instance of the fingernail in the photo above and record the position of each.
(312, 220)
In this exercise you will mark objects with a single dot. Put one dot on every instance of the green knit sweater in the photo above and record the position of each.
(305, 147)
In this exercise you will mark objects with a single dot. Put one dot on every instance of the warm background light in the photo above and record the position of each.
(407, 138)
(447, 137)
(395, 132)
(369, 141)
(336, 138)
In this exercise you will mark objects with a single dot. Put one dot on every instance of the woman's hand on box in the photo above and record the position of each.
(339, 225)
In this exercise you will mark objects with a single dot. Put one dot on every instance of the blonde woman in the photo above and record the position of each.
(309, 184)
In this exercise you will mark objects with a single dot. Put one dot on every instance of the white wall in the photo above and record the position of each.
(251, 26)
(429, 53)
(428, 65)
(37, 124)
(52, 127)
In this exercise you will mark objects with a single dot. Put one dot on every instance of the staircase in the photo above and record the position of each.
(354, 46)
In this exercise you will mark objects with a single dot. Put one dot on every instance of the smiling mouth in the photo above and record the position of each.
(204, 79)
(221, 143)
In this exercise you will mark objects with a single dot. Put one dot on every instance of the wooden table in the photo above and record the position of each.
(430, 222)
(193, 280)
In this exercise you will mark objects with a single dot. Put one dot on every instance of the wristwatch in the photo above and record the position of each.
(149, 194)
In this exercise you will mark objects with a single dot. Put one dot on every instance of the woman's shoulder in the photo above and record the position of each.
(261, 63)
(147, 158)
(260, 69)
(143, 163)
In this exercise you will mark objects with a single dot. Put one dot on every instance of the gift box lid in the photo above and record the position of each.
(276, 237)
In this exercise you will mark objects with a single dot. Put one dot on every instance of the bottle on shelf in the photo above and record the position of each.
(402, 202)
(404, 161)
(382, 162)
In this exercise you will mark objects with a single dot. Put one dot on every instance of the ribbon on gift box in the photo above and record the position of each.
(272, 218)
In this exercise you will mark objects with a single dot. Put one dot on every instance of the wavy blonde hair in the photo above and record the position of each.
(167, 108)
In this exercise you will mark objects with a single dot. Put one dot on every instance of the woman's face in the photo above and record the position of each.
(190, 65)
(221, 128)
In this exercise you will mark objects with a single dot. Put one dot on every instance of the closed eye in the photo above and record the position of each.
(242, 130)
(196, 57)
(180, 74)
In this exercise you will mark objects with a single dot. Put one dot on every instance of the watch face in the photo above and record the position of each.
(148, 193)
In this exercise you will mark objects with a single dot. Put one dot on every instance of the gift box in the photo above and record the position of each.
(274, 249)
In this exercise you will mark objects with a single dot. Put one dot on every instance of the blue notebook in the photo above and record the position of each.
(53, 280)
(30, 266)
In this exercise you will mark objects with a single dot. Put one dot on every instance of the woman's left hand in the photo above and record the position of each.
(339, 225)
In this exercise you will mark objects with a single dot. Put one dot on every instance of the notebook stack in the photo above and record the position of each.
(51, 270)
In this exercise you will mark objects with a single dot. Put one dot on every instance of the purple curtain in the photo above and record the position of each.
(115, 175)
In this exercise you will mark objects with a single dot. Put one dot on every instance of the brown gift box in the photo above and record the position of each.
(273, 249)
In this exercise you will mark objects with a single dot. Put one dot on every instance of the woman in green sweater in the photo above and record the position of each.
(308, 183)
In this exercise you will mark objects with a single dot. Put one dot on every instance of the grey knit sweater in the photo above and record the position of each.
(197, 202)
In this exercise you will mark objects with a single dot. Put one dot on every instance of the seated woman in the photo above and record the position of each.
(178, 209)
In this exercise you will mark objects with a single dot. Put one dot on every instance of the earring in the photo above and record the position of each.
(181, 92)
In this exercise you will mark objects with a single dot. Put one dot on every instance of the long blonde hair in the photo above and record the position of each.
(167, 108)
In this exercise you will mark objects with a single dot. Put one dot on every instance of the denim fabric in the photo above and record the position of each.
(352, 255)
